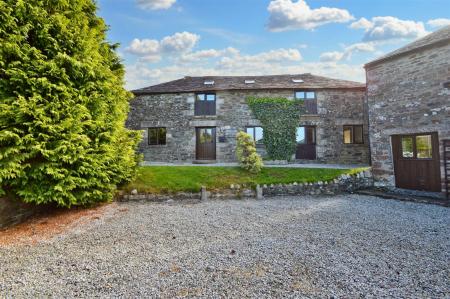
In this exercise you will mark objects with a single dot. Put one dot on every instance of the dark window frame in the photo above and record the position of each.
(201, 106)
(254, 134)
(352, 132)
(158, 141)
(414, 146)
(310, 103)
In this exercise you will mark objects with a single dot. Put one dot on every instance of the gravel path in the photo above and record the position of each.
(341, 246)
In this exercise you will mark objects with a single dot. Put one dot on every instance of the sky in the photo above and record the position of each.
(163, 40)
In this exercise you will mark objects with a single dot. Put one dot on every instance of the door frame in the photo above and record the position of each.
(314, 144)
(214, 147)
(397, 158)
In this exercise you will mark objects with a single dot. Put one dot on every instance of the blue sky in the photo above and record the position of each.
(163, 40)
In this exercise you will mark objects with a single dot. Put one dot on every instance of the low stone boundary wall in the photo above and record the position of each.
(14, 211)
(344, 183)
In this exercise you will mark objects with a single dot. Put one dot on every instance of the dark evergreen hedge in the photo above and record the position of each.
(62, 104)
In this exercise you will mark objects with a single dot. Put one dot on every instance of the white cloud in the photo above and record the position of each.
(348, 52)
(155, 4)
(207, 54)
(145, 48)
(331, 56)
(151, 50)
(389, 28)
(288, 15)
(265, 58)
(362, 23)
(436, 23)
(230, 61)
(179, 42)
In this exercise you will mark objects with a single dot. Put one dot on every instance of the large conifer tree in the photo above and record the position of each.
(62, 104)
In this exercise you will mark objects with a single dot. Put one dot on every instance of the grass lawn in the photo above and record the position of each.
(171, 179)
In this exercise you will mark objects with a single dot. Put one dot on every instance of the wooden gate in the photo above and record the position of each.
(416, 161)
(306, 143)
(206, 143)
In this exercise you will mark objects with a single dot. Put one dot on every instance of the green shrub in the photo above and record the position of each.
(246, 153)
(62, 105)
(279, 119)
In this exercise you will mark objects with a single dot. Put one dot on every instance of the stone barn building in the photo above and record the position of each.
(195, 119)
(408, 96)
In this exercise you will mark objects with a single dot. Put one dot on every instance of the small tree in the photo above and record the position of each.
(62, 105)
(246, 153)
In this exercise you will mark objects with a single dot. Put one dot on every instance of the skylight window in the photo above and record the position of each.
(297, 80)
(249, 81)
(209, 82)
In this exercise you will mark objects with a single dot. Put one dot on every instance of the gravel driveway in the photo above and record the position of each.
(341, 246)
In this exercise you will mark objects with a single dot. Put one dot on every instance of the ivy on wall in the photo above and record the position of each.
(279, 119)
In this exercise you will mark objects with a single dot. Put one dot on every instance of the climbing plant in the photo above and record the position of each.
(63, 104)
(279, 119)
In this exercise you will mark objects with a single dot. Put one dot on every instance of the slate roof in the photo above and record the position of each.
(441, 36)
(196, 84)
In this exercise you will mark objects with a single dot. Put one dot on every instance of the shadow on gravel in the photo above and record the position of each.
(52, 222)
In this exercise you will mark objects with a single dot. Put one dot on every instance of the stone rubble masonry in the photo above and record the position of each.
(344, 183)
(176, 112)
(14, 211)
(406, 95)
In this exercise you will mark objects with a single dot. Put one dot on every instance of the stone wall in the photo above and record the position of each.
(176, 112)
(14, 211)
(344, 183)
(405, 96)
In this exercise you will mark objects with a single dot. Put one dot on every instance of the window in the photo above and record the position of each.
(407, 147)
(305, 95)
(156, 136)
(353, 134)
(256, 133)
(306, 135)
(205, 104)
(300, 136)
(424, 147)
(310, 100)
(206, 135)
(417, 146)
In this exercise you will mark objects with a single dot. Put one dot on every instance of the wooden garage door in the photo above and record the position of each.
(416, 161)
(206, 143)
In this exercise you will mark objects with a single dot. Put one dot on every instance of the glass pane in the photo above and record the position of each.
(300, 95)
(162, 136)
(310, 135)
(407, 147)
(300, 136)
(358, 134)
(200, 97)
(310, 95)
(259, 135)
(347, 135)
(210, 97)
(152, 136)
(424, 147)
(251, 132)
(206, 136)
